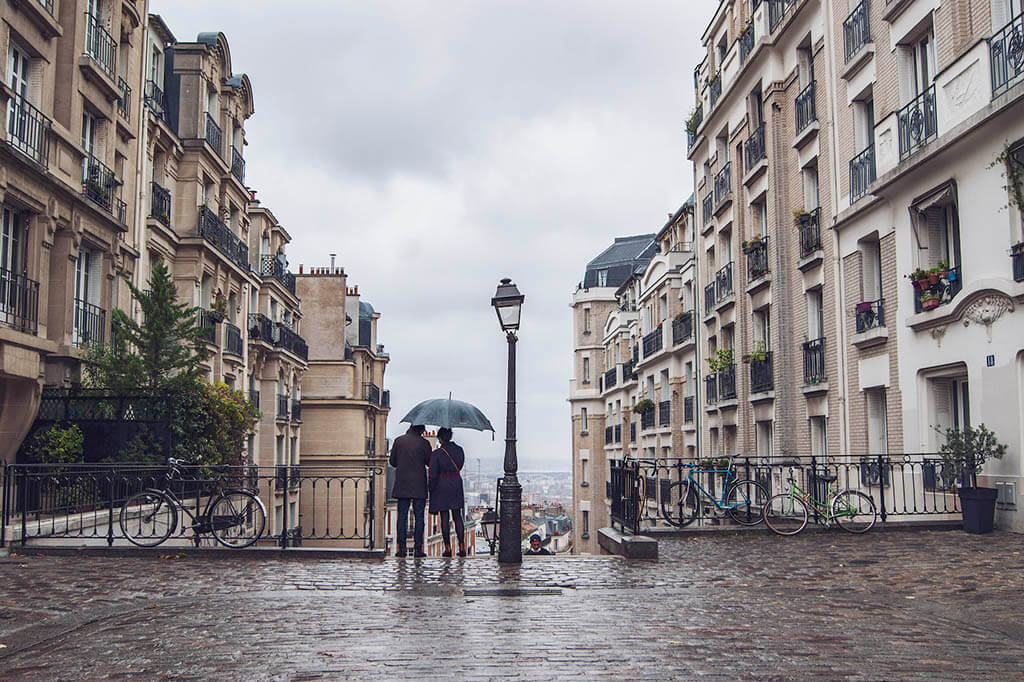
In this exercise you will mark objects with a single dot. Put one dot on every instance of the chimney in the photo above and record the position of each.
(332, 261)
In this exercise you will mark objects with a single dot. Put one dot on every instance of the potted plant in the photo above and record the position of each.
(219, 308)
(864, 307)
(801, 218)
(645, 405)
(760, 352)
(929, 300)
(1012, 163)
(919, 279)
(712, 364)
(963, 456)
(725, 357)
(933, 275)
(692, 122)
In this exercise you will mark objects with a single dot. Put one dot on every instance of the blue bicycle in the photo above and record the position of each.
(743, 501)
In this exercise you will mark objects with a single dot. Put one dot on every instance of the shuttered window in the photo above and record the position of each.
(878, 437)
(871, 271)
(12, 242)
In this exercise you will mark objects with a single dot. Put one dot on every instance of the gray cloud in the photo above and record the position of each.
(438, 146)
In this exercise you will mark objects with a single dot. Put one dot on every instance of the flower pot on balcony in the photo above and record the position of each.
(929, 302)
(920, 284)
(864, 307)
(979, 509)
(933, 278)
(214, 316)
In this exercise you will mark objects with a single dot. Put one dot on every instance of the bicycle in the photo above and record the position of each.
(742, 500)
(234, 516)
(852, 510)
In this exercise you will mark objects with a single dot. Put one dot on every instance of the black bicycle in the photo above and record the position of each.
(234, 516)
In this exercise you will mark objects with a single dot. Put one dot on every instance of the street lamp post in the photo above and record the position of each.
(508, 303)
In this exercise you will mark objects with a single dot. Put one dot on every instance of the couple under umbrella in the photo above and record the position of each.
(419, 472)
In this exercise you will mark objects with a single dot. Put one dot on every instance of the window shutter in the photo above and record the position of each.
(938, 249)
(999, 14)
(95, 275)
(877, 437)
(943, 411)
(869, 272)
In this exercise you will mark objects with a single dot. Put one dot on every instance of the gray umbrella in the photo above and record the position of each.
(453, 414)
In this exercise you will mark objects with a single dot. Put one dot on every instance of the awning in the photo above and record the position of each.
(943, 196)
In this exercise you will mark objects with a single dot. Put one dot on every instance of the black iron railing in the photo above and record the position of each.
(212, 133)
(1006, 53)
(222, 238)
(711, 389)
(664, 413)
(296, 410)
(727, 382)
(100, 46)
(806, 108)
(207, 321)
(746, 40)
(1017, 259)
(611, 377)
(261, 328)
(709, 298)
(754, 149)
(862, 173)
(856, 30)
(160, 204)
(89, 324)
(917, 123)
(282, 406)
(869, 315)
(714, 90)
(723, 183)
(647, 418)
(810, 232)
(776, 11)
(19, 302)
(708, 207)
(814, 361)
(371, 446)
(124, 99)
(254, 398)
(757, 259)
(232, 339)
(371, 393)
(947, 285)
(271, 266)
(691, 130)
(385, 398)
(155, 99)
(653, 342)
(237, 165)
(688, 409)
(762, 377)
(682, 328)
(28, 130)
(291, 342)
(723, 282)
(48, 5)
(100, 184)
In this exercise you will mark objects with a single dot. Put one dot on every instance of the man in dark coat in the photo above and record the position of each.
(410, 455)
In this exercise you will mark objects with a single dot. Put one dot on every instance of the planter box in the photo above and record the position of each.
(979, 509)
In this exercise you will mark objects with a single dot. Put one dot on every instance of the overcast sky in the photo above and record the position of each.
(439, 146)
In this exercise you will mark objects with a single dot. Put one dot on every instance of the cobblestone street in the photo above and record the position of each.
(892, 605)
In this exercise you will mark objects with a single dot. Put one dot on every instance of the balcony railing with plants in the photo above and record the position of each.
(806, 107)
(814, 361)
(692, 124)
(870, 315)
(723, 183)
(232, 339)
(213, 134)
(664, 413)
(611, 378)
(808, 222)
(682, 328)
(99, 185)
(1006, 53)
(862, 173)
(647, 416)
(292, 342)
(856, 30)
(282, 407)
(19, 302)
(708, 208)
(762, 378)
(723, 282)
(155, 99)
(222, 238)
(100, 46)
(207, 321)
(1017, 258)
(89, 324)
(160, 206)
(688, 409)
(754, 149)
(714, 90)
(777, 11)
(124, 99)
(709, 298)
(261, 328)
(653, 342)
(271, 266)
(936, 286)
(726, 382)
(746, 40)
(28, 130)
(711, 389)
(917, 123)
(757, 258)
(237, 165)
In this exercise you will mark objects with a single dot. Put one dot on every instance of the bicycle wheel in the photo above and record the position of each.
(746, 500)
(679, 504)
(785, 514)
(854, 511)
(148, 518)
(237, 518)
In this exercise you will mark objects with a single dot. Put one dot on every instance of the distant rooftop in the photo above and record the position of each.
(616, 263)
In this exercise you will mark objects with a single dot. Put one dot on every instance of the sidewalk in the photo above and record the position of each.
(911, 605)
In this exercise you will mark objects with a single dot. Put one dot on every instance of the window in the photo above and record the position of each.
(279, 450)
(663, 304)
(871, 270)
(878, 434)
(88, 276)
(279, 517)
(921, 56)
(937, 229)
(864, 124)
(294, 449)
(586, 370)
(755, 108)
(88, 141)
(584, 423)
(586, 320)
(819, 445)
(586, 524)
(583, 473)
(763, 328)
(815, 315)
(18, 65)
(156, 71)
(805, 60)
(950, 406)
(810, 182)
(764, 438)
(760, 215)
(13, 243)
(293, 515)
(602, 278)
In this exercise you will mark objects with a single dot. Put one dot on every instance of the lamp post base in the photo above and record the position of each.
(510, 547)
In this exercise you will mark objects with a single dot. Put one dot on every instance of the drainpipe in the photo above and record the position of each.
(698, 323)
(140, 155)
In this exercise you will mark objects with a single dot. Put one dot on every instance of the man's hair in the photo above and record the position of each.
(534, 537)
(418, 429)
(444, 434)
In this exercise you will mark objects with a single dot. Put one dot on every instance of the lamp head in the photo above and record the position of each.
(508, 303)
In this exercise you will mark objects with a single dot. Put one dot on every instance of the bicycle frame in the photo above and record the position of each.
(819, 507)
(729, 475)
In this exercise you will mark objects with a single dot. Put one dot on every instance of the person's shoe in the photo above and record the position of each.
(420, 554)
(462, 551)
(401, 554)
(447, 552)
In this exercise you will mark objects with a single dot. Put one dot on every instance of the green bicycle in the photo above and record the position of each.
(851, 510)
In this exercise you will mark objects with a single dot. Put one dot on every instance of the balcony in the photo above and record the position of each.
(711, 389)
(708, 208)
(254, 398)
(917, 123)
(627, 372)
(777, 11)
(757, 259)
(261, 328)
(99, 185)
(664, 413)
(28, 130)
(856, 30)
(693, 124)
(292, 342)
(100, 46)
(232, 339)
(89, 324)
(1006, 53)
(723, 283)
(727, 383)
(237, 165)
(939, 289)
(160, 204)
(385, 399)
(371, 393)
(870, 315)
(19, 302)
(810, 232)
(754, 149)
(124, 100)
(647, 419)
(653, 342)
(723, 184)
(714, 90)
(272, 266)
(611, 377)
(155, 100)
(806, 108)
(688, 409)
(296, 410)
(862, 173)
(762, 378)
(282, 407)
(746, 40)
(222, 238)
(814, 361)
(682, 328)
(207, 321)
(618, 433)
(709, 299)
(213, 135)
(1017, 258)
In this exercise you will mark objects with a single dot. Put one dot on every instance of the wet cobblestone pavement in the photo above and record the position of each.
(896, 605)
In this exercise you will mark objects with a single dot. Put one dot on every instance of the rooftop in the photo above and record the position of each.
(620, 260)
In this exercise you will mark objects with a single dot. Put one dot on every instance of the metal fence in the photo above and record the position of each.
(649, 493)
(321, 505)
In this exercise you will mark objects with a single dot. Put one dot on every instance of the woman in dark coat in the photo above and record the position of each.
(445, 483)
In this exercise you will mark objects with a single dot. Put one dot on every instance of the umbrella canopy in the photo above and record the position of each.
(453, 414)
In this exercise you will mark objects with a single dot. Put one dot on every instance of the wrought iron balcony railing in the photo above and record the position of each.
(761, 376)
(814, 361)
(723, 183)
(290, 341)
(100, 185)
(160, 204)
(711, 389)
(691, 130)
(653, 342)
(870, 315)
(19, 302)
(709, 298)
(806, 107)
(213, 134)
(746, 40)
(371, 446)
(708, 207)
(727, 382)
(89, 324)
(714, 90)
(777, 11)
(28, 130)
(723, 282)
(371, 393)
(810, 232)
(261, 328)
(271, 266)
(1017, 259)
(682, 328)
(100, 46)
(1006, 54)
(647, 419)
(757, 259)
(282, 407)
(856, 30)
(917, 123)
(232, 339)
(385, 398)
(207, 322)
(862, 173)
(237, 165)
(941, 292)
(155, 99)
(222, 238)
(611, 377)
(688, 409)
(754, 149)
(124, 100)
(664, 413)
